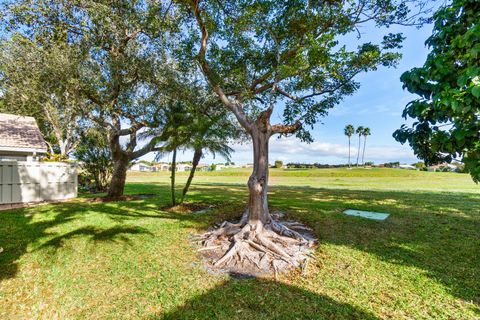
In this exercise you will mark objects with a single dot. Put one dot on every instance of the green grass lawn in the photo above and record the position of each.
(131, 260)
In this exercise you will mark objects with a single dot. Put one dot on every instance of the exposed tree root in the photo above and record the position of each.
(256, 248)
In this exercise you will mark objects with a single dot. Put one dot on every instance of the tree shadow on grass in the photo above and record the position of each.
(263, 299)
(21, 228)
(433, 231)
(95, 234)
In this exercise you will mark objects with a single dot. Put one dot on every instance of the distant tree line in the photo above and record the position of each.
(296, 165)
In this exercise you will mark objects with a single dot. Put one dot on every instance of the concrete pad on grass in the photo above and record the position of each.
(379, 216)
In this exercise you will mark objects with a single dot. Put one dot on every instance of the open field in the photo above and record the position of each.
(356, 179)
(132, 260)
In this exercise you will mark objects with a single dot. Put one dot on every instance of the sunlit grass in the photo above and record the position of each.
(131, 260)
(355, 178)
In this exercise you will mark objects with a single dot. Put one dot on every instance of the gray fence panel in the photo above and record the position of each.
(23, 181)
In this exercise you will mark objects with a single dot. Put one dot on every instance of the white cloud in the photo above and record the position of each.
(292, 150)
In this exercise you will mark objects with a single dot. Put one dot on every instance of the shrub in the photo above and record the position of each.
(95, 161)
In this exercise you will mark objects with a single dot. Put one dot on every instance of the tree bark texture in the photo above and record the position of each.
(172, 177)
(197, 155)
(119, 175)
(258, 181)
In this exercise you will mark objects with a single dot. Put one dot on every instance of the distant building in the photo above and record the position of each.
(228, 166)
(162, 166)
(141, 167)
(204, 167)
(407, 167)
(183, 167)
(442, 167)
(20, 138)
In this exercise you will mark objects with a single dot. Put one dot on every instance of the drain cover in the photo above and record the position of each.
(367, 214)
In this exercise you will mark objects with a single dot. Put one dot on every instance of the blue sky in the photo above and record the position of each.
(378, 104)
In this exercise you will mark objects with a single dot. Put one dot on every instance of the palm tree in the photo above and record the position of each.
(359, 131)
(203, 130)
(366, 132)
(209, 135)
(173, 134)
(349, 131)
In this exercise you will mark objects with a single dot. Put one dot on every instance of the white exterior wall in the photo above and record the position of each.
(24, 181)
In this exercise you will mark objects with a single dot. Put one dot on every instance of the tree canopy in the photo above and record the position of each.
(39, 82)
(447, 112)
(123, 71)
(265, 53)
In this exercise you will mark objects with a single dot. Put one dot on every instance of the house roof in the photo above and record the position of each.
(19, 133)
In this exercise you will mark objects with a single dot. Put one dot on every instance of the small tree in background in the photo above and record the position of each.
(420, 165)
(174, 134)
(278, 164)
(209, 134)
(93, 154)
(349, 131)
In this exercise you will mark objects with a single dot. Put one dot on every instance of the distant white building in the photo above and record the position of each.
(141, 167)
(162, 166)
(229, 166)
(407, 167)
(183, 167)
(204, 167)
(165, 167)
(442, 167)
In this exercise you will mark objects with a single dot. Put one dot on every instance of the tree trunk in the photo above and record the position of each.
(120, 165)
(363, 153)
(172, 177)
(258, 240)
(359, 145)
(197, 155)
(63, 147)
(258, 181)
(117, 184)
(349, 152)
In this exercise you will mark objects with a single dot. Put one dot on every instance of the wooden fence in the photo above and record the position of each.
(26, 181)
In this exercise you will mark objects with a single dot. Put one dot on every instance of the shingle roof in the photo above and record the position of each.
(18, 132)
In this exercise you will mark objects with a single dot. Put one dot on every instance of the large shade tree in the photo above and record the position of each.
(124, 67)
(447, 112)
(260, 55)
(39, 81)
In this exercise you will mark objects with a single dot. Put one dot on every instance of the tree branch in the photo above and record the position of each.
(149, 147)
(286, 128)
(235, 107)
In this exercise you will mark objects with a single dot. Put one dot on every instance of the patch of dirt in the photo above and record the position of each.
(189, 207)
(140, 196)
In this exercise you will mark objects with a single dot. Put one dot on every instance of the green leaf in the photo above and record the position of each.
(476, 91)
